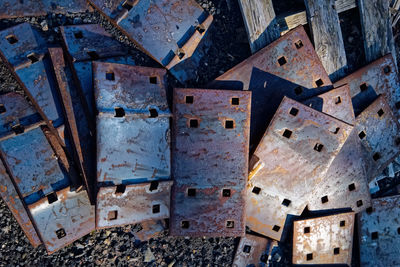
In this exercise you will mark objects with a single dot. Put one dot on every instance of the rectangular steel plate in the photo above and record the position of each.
(14, 202)
(253, 251)
(291, 160)
(378, 130)
(379, 233)
(210, 162)
(287, 67)
(379, 77)
(324, 240)
(171, 32)
(134, 204)
(345, 184)
(67, 219)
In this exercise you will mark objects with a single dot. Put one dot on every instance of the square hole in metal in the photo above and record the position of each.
(336, 251)
(235, 101)
(293, 111)
(185, 224)
(156, 208)
(191, 192)
(60, 233)
(200, 29)
(12, 39)
(189, 99)
(226, 192)
(298, 44)
(78, 35)
(397, 105)
(342, 223)
(319, 83)
(153, 79)
(93, 55)
(127, 5)
(307, 230)
(381, 112)
(256, 190)
(309, 257)
(193, 123)
(110, 76)
(387, 69)
(52, 197)
(324, 199)
(119, 112)
(397, 141)
(318, 147)
(120, 189)
(359, 203)
(18, 129)
(369, 210)
(246, 249)
(362, 135)
(276, 228)
(398, 230)
(352, 187)
(153, 185)
(363, 87)
(33, 58)
(282, 61)
(181, 53)
(287, 133)
(335, 130)
(230, 224)
(112, 215)
(376, 156)
(338, 100)
(298, 90)
(2, 109)
(374, 235)
(153, 113)
(229, 124)
(286, 202)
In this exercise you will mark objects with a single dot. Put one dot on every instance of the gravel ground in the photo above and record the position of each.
(118, 246)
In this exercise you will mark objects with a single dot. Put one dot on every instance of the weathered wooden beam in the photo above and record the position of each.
(259, 20)
(376, 28)
(327, 36)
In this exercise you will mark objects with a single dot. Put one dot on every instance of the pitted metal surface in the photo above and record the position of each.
(130, 204)
(379, 233)
(324, 240)
(67, 218)
(287, 67)
(150, 229)
(300, 141)
(210, 163)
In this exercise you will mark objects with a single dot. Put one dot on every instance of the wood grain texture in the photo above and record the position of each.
(377, 29)
(259, 19)
(327, 36)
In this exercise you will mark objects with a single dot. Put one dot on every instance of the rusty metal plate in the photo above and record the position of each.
(130, 204)
(379, 233)
(16, 205)
(14, 9)
(171, 32)
(253, 251)
(287, 67)
(150, 229)
(67, 218)
(324, 240)
(379, 77)
(378, 130)
(300, 141)
(210, 162)
(345, 184)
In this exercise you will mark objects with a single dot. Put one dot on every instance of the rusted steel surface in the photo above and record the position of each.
(324, 240)
(14, 9)
(345, 184)
(253, 251)
(16, 205)
(78, 121)
(378, 130)
(130, 204)
(210, 162)
(171, 32)
(379, 77)
(64, 219)
(133, 112)
(299, 140)
(150, 229)
(287, 67)
(379, 233)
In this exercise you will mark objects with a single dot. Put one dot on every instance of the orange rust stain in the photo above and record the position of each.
(103, 159)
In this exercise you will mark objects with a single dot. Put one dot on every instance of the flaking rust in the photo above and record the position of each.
(288, 67)
(345, 184)
(174, 33)
(324, 240)
(210, 163)
(300, 141)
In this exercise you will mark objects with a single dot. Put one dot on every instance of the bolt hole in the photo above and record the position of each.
(110, 76)
(336, 130)
(120, 189)
(52, 197)
(153, 113)
(184, 224)
(309, 256)
(319, 82)
(200, 29)
(336, 251)
(78, 35)
(112, 215)
(256, 190)
(286, 202)
(93, 55)
(376, 156)
(119, 112)
(298, 44)
(33, 58)
(276, 228)
(369, 210)
(352, 187)
(374, 235)
(189, 99)
(380, 112)
(181, 53)
(338, 100)
(287, 133)
(60, 233)
(226, 192)
(18, 129)
(153, 186)
(12, 39)
(324, 199)
(229, 124)
(318, 147)
(230, 224)
(127, 5)
(397, 105)
(153, 79)
(2, 109)
(246, 249)
(307, 230)
(235, 101)
(298, 90)
(193, 123)
(359, 203)
(342, 223)
(156, 208)
(398, 230)
(282, 61)
(387, 69)
(397, 141)
(293, 111)
(363, 87)
(191, 192)
(362, 135)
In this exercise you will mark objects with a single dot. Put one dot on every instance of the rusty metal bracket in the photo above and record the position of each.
(379, 77)
(324, 240)
(345, 184)
(299, 140)
(172, 32)
(378, 130)
(129, 204)
(379, 233)
(210, 162)
(287, 67)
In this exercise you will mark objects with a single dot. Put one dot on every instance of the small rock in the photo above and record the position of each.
(44, 25)
(149, 256)
(77, 20)
(19, 249)
(80, 246)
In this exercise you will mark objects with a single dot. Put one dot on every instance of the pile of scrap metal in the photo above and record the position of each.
(267, 140)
